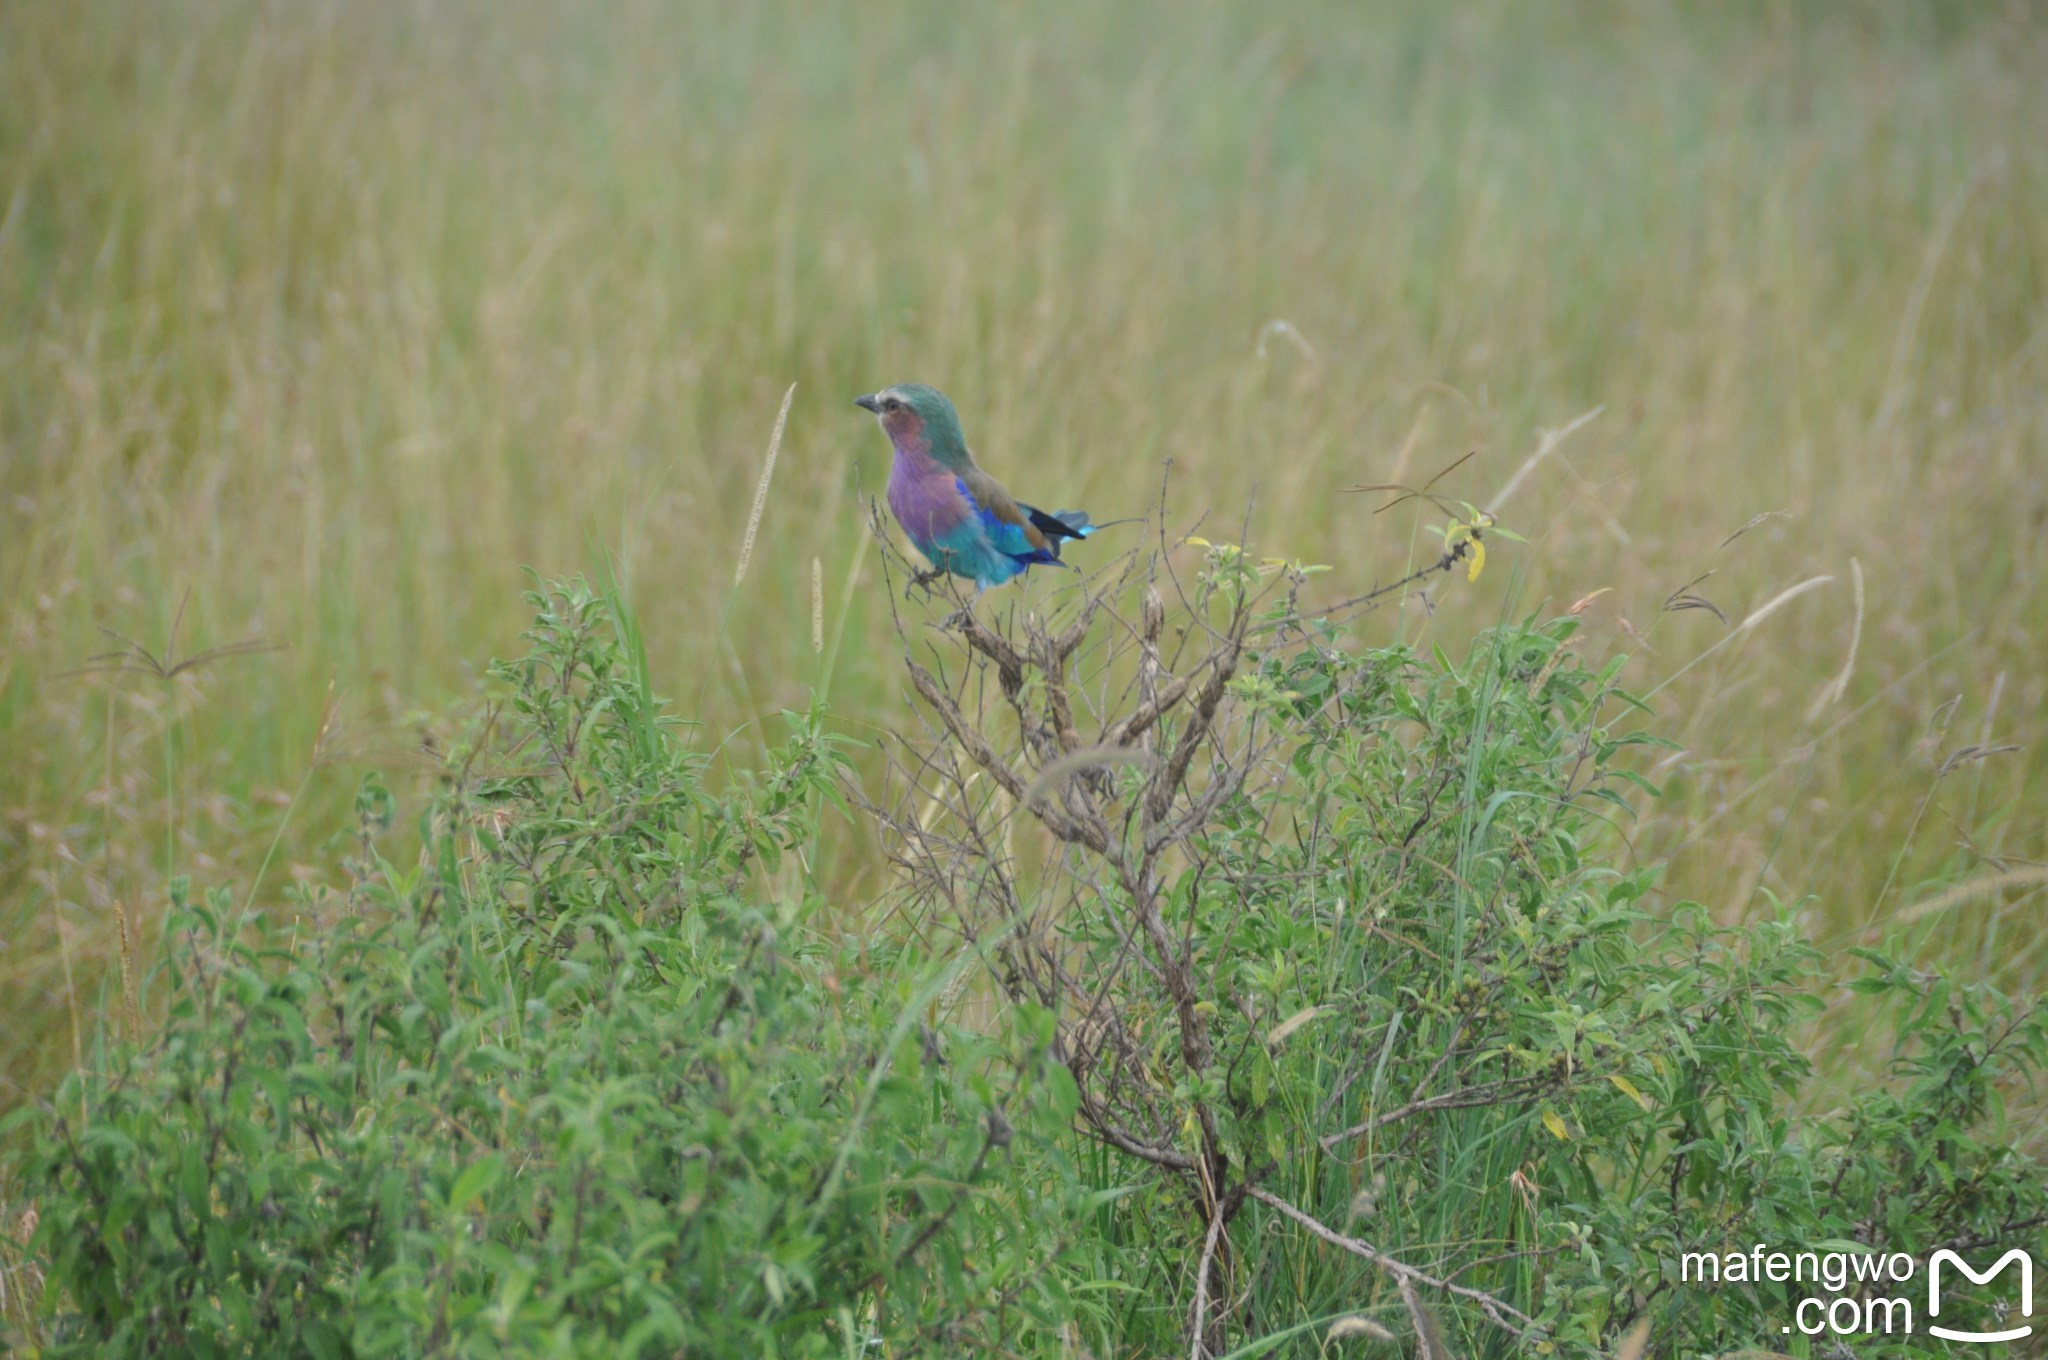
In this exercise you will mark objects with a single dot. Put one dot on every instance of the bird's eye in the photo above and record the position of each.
(892, 405)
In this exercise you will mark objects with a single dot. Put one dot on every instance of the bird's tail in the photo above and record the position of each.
(1071, 523)
(1063, 525)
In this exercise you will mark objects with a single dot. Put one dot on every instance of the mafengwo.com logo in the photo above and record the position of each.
(1949, 1258)
(1860, 1293)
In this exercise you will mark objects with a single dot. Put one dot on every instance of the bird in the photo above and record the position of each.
(959, 517)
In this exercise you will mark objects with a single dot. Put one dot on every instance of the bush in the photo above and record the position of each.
(1333, 1008)
(564, 1086)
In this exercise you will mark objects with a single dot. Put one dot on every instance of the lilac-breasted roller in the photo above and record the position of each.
(959, 517)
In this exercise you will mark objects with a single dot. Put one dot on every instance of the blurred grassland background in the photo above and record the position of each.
(331, 317)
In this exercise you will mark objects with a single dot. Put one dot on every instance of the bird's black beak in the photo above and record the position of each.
(870, 402)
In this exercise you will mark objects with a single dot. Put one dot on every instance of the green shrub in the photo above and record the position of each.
(1333, 1008)
(567, 1085)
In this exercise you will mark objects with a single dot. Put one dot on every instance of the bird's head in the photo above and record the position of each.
(919, 419)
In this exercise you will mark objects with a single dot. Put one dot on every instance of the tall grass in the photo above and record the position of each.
(334, 316)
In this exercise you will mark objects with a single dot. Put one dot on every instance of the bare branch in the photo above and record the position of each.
(1501, 1314)
(984, 755)
(1471, 1097)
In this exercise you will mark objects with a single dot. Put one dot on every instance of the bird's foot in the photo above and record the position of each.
(924, 581)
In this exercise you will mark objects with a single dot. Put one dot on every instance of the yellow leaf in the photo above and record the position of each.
(1478, 558)
(1555, 1124)
(1628, 1088)
(1197, 542)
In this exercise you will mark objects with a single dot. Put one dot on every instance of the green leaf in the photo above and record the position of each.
(1064, 1095)
(476, 1180)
